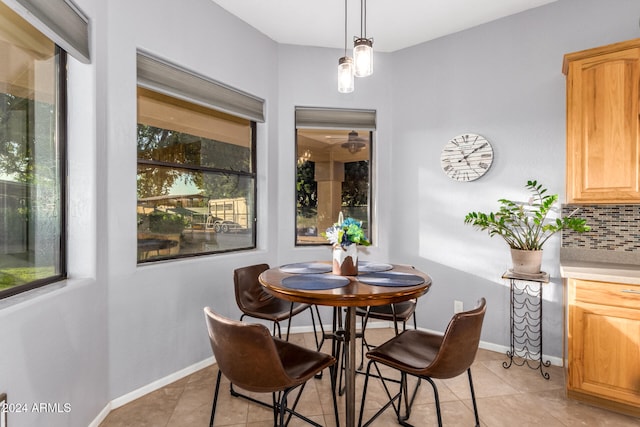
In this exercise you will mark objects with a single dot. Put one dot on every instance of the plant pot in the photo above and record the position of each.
(345, 260)
(526, 262)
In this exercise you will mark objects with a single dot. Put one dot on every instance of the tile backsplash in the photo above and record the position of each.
(613, 228)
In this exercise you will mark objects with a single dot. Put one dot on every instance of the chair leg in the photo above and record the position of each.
(339, 354)
(395, 319)
(275, 408)
(363, 340)
(215, 398)
(404, 390)
(437, 398)
(342, 359)
(391, 401)
(283, 405)
(276, 329)
(324, 334)
(319, 342)
(473, 398)
(289, 321)
(281, 409)
(315, 331)
(364, 394)
(333, 393)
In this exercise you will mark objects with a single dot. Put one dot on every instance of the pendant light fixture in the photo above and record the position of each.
(345, 64)
(363, 47)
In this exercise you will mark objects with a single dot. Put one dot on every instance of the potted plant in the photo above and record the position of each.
(526, 226)
(345, 235)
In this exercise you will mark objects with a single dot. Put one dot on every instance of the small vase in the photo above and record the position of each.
(345, 260)
(526, 262)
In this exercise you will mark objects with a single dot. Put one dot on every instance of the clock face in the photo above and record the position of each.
(466, 157)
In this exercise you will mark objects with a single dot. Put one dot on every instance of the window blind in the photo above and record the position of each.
(175, 81)
(335, 118)
(60, 20)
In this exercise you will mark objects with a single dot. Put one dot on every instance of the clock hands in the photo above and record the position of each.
(465, 156)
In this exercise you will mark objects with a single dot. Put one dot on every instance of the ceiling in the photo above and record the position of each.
(329, 144)
(393, 24)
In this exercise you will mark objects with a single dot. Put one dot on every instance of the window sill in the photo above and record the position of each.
(33, 296)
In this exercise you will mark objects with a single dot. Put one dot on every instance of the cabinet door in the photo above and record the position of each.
(603, 140)
(604, 341)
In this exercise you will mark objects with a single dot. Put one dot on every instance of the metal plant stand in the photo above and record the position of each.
(526, 321)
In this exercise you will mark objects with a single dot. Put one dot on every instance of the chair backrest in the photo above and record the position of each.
(246, 354)
(250, 295)
(459, 343)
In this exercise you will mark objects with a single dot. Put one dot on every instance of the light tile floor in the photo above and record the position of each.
(517, 396)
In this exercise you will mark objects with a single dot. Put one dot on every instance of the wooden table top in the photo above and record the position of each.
(354, 294)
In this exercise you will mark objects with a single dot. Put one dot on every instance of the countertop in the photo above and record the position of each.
(602, 266)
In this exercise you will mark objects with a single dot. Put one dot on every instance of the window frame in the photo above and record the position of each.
(61, 143)
(318, 118)
(252, 174)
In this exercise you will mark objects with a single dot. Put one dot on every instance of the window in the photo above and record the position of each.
(32, 157)
(196, 179)
(333, 170)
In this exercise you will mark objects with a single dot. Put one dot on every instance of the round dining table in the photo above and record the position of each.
(376, 284)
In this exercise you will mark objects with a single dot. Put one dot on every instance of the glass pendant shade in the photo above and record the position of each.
(363, 57)
(345, 75)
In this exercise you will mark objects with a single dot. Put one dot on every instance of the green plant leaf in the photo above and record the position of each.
(526, 228)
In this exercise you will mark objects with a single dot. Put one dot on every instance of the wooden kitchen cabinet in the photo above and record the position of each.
(603, 126)
(604, 344)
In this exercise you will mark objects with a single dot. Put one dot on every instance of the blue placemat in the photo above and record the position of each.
(307, 268)
(313, 282)
(371, 267)
(391, 278)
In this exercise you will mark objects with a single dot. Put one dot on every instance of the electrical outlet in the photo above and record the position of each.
(457, 306)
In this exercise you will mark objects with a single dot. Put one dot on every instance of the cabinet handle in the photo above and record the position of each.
(631, 291)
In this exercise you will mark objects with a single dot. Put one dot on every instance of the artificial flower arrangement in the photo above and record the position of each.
(345, 235)
(346, 232)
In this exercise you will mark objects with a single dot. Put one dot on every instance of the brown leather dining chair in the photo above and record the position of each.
(249, 357)
(426, 355)
(396, 313)
(255, 302)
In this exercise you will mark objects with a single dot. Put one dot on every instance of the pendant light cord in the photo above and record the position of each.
(345, 27)
(363, 19)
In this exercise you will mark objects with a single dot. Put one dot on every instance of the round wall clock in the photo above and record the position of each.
(466, 157)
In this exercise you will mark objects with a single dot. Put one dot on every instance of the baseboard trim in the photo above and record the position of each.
(101, 416)
(151, 387)
(555, 361)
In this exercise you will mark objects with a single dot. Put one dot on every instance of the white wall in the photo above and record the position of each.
(117, 327)
(502, 80)
(156, 323)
